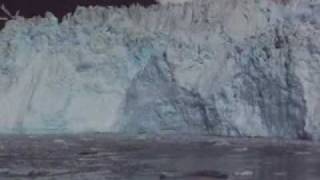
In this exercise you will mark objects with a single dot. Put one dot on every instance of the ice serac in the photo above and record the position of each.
(235, 68)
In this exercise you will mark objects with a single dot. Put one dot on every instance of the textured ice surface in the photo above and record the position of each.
(240, 68)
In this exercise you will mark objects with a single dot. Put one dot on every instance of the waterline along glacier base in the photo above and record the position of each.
(235, 68)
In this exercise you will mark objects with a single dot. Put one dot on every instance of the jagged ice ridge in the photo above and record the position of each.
(235, 68)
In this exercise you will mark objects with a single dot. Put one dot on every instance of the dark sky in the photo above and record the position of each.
(29, 8)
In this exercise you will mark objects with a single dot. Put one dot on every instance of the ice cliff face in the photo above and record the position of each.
(239, 68)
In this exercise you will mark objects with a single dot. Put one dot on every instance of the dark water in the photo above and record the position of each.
(114, 157)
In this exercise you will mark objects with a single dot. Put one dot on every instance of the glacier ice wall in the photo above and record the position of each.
(235, 68)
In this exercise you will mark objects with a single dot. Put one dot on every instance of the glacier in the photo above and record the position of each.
(230, 68)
